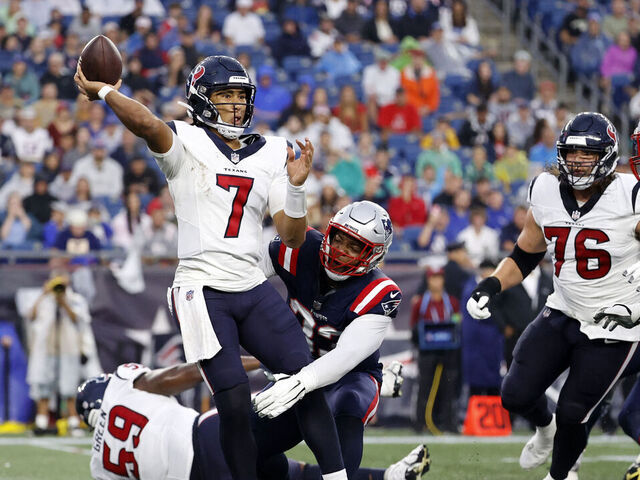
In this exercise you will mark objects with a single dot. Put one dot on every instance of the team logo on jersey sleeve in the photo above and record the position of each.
(390, 306)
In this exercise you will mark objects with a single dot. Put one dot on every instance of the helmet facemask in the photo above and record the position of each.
(210, 115)
(581, 175)
(339, 264)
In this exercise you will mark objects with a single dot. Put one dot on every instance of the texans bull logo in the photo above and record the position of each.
(197, 74)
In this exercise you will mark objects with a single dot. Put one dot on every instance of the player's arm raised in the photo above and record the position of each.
(528, 252)
(291, 222)
(133, 115)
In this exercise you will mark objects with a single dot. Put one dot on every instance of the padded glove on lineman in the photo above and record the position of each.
(280, 397)
(626, 316)
(478, 303)
(392, 380)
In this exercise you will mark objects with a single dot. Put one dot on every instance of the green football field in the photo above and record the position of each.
(453, 457)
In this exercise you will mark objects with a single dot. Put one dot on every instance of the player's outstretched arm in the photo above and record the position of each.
(133, 115)
(291, 223)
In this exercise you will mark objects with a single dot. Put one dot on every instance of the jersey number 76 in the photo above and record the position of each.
(582, 253)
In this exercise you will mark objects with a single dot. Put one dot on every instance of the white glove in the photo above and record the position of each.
(626, 316)
(478, 303)
(280, 397)
(392, 380)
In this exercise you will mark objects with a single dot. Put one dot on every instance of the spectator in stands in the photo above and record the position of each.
(543, 153)
(30, 141)
(160, 237)
(498, 141)
(55, 225)
(386, 177)
(21, 181)
(482, 84)
(617, 21)
(501, 105)
(435, 323)
(81, 197)
(460, 28)
(152, 58)
(443, 53)
(50, 166)
(76, 239)
(293, 128)
(339, 133)
(129, 223)
(23, 80)
(47, 106)
(86, 26)
(334, 8)
(430, 183)
(545, 103)
(134, 78)
(141, 178)
(433, 237)
(38, 204)
(37, 55)
(103, 173)
(587, 53)
(9, 102)
(243, 27)
(57, 73)
(439, 156)
(348, 170)
(509, 233)
(479, 167)
(520, 124)
(380, 82)
(322, 38)
(97, 225)
(207, 28)
(380, 28)
(58, 318)
(407, 209)
(61, 187)
(338, 61)
(16, 224)
(350, 22)
(399, 117)
(417, 20)
(111, 134)
(481, 241)
(520, 81)
(443, 126)
(451, 185)
(619, 59)
(23, 33)
(127, 23)
(290, 42)
(81, 147)
(271, 98)
(62, 123)
(299, 107)
(512, 168)
(420, 81)
(481, 189)
(574, 25)
(135, 41)
(459, 210)
(499, 213)
(476, 127)
(350, 111)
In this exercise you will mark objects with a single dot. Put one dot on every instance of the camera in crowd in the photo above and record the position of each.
(57, 285)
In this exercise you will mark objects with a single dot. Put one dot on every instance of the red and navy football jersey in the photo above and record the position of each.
(323, 309)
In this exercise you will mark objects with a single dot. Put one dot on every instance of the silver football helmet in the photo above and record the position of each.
(370, 225)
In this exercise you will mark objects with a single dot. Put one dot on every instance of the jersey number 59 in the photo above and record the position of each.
(121, 421)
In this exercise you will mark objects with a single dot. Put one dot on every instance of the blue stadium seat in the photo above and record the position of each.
(618, 92)
(6, 60)
(296, 65)
(459, 85)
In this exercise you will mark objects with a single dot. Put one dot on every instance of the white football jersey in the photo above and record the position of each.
(591, 245)
(220, 197)
(140, 435)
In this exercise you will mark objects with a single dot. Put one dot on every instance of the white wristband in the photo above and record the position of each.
(102, 93)
(295, 203)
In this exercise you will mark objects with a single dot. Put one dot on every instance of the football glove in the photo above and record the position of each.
(626, 316)
(478, 303)
(280, 397)
(392, 380)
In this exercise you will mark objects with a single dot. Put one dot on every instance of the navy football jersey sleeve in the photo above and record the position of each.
(380, 297)
(286, 260)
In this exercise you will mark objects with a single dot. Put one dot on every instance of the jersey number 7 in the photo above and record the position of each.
(243, 186)
(121, 421)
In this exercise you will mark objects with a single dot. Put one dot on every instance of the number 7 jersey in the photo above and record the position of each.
(590, 245)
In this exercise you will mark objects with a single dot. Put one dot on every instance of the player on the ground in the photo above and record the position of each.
(345, 305)
(585, 216)
(222, 182)
(141, 433)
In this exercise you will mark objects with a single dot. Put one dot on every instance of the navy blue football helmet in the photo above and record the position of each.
(589, 132)
(89, 396)
(218, 73)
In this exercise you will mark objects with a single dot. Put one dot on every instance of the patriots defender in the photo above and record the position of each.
(222, 182)
(345, 305)
(141, 433)
(586, 217)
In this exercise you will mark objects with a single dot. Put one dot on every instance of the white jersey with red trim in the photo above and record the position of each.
(325, 312)
(591, 245)
(220, 198)
(140, 435)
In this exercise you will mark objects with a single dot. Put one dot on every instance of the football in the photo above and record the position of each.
(101, 61)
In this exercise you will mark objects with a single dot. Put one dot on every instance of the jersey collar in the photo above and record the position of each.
(254, 143)
(571, 205)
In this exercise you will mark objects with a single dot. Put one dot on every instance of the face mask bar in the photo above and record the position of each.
(352, 266)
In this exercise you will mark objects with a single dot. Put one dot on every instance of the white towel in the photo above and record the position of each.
(198, 337)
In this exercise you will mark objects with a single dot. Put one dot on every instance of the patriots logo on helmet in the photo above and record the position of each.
(388, 229)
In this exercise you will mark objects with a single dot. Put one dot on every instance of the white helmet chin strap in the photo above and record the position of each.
(227, 131)
(334, 276)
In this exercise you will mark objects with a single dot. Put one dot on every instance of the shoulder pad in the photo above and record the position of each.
(382, 296)
(131, 371)
(286, 258)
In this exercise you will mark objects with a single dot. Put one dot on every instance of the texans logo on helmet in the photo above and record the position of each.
(612, 133)
(199, 72)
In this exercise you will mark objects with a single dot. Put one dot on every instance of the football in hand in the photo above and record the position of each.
(101, 61)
